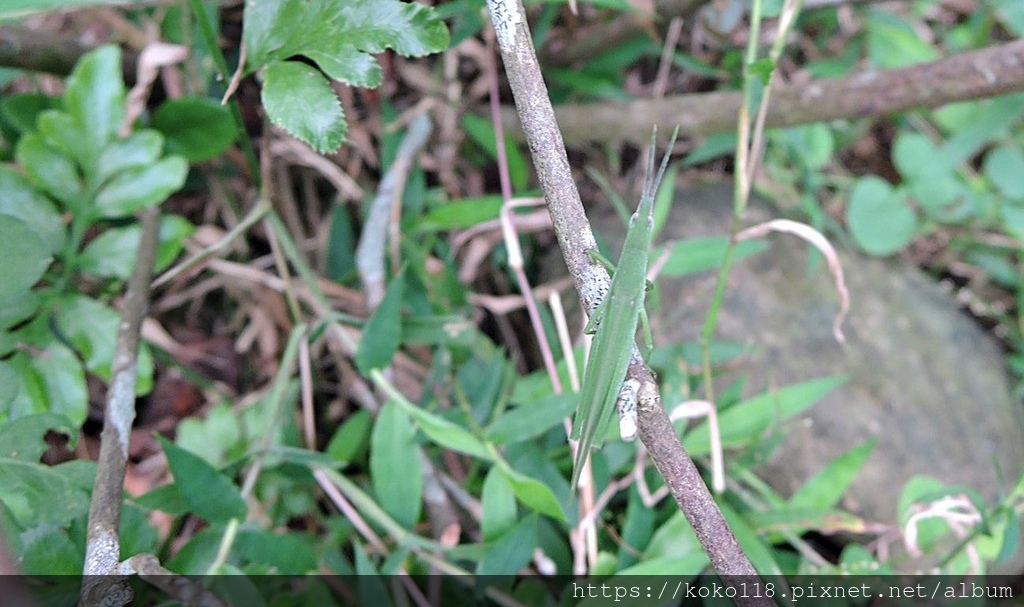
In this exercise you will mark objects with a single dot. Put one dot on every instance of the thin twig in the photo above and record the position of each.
(102, 550)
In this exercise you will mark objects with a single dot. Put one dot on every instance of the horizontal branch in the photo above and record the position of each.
(967, 76)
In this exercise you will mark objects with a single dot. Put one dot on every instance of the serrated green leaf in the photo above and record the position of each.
(299, 99)
(382, 334)
(531, 419)
(498, 505)
(95, 96)
(210, 495)
(879, 218)
(24, 438)
(348, 64)
(142, 187)
(745, 421)
(196, 128)
(825, 488)
(395, 466)
(112, 253)
(28, 204)
(25, 257)
(53, 171)
(278, 29)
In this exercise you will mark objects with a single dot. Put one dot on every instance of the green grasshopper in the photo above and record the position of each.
(616, 319)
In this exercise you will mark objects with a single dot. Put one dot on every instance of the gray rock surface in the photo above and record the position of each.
(924, 379)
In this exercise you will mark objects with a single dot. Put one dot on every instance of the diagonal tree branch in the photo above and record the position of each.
(591, 280)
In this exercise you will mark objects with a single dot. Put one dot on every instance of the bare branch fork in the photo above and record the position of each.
(575, 237)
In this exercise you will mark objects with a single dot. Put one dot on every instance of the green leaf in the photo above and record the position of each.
(498, 505)
(112, 253)
(350, 439)
(28, 204)
(196, 128)
(532, 493)
(1004, 167)
(48, 550)
(382, 334)
(481, 131)
(674, 539)
(531, 419)
(24, 254)
(142, 187)
(209, 494)
(92, 328)
(24, 438)
(278, 29)
(442, 431)
(137, 150)
(39, 495)
(395, 466)
(60, 131)
(695, 255)
(714, 146)
(754, 547)
(892, 42)
(825, 488)
(931, 179)
(20, 110)
(52, 170)
(95, 96)
(513, 551)
(459, 214)
(346, 63)
(52, 380)
(299, 99)
(879, 218)
(746, 421)
(8, 391)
